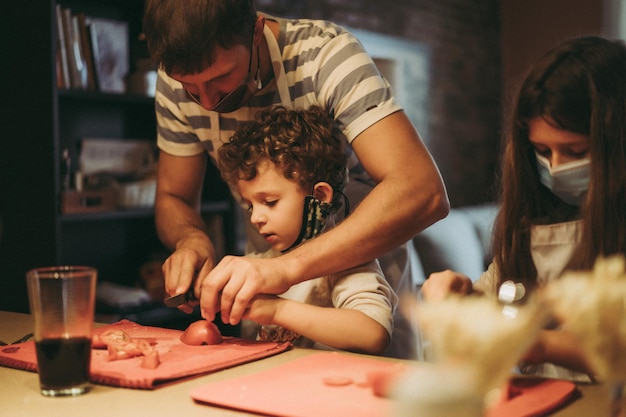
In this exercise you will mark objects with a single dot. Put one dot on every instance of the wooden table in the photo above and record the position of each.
(19, 390)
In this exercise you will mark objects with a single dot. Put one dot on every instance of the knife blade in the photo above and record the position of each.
(180, 299)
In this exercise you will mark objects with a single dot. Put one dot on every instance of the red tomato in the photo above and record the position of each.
(201, 332)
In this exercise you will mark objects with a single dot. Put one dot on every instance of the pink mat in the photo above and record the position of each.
(298, 389)
(178, 360)
(533, 397)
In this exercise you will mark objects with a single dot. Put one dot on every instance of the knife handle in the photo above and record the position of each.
(190, 295)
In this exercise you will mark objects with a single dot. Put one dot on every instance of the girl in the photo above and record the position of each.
(563, 185)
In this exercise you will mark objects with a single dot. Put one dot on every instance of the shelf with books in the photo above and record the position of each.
(43, 129)
(98, 44)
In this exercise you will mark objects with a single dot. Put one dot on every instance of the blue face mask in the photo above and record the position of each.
(568, 181)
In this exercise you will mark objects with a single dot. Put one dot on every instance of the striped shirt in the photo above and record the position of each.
(315, 63)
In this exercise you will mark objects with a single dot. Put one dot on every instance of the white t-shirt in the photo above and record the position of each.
(362, 288)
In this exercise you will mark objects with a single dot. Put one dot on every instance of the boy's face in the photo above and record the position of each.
(275, 205)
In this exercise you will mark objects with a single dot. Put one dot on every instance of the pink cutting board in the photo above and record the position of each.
(178, 361)
(533, 396)
(297, 388)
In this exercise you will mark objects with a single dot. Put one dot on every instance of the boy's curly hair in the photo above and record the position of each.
(306, 144)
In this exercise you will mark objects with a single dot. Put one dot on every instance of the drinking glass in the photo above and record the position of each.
(62, 302)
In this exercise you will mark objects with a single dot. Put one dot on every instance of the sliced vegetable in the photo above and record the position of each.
(151, 359)
(109, 336)
(201, 332)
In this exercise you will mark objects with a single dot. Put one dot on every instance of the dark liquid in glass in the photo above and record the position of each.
(63, 363)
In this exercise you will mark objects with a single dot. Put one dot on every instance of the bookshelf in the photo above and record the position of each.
(40, 118)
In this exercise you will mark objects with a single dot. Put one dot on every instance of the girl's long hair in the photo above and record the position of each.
(579, 86)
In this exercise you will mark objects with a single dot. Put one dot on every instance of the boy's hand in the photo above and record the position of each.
(262, 309)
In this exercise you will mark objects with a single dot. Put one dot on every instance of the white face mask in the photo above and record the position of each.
(568, 181)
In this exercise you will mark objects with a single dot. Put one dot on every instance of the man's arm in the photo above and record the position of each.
(178, 220)
(409, 196)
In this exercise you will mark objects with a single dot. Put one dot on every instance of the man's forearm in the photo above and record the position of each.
(177, 221)
(387, 218)
(409, 196)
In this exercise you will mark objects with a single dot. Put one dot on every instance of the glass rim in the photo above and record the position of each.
(60, 271)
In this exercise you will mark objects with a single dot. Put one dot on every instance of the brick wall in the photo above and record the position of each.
(463, 38)
(531, 27)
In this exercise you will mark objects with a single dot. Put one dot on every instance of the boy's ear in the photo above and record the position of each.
(323, 191)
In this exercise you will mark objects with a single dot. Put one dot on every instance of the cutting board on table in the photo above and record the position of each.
(178, 360)
(533, 397)
(300, 388)
(323, 384)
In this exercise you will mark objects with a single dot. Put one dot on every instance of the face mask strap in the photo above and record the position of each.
(257, 76)
(346, 204)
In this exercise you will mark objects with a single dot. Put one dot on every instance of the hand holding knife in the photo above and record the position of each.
(180, 299)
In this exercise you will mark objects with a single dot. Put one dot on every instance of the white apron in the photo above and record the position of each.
(551, 247)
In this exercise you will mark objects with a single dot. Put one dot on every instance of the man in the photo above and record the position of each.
(221, 62)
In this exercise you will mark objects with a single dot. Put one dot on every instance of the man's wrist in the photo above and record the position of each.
(193, 239)
(294, 269)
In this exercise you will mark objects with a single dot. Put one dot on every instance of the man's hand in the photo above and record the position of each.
(180, 270)
(441, 284)
(233, 283)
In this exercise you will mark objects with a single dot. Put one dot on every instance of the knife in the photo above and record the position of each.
(180, 299)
